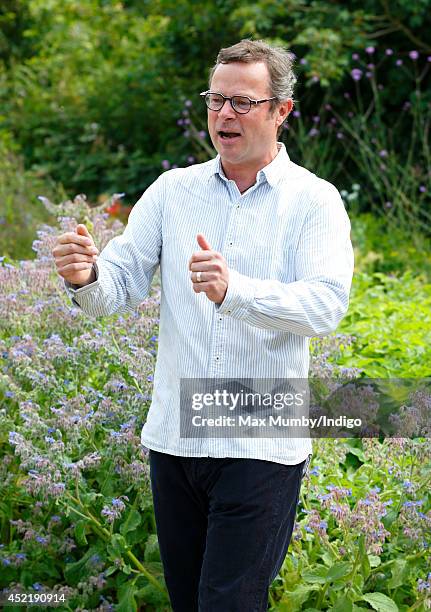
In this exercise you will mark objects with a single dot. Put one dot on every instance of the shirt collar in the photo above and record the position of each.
(272, 172)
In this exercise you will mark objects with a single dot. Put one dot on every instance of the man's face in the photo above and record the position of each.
(254, 135)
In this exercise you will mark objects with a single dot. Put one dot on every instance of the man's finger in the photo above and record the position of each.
(202, 287)
(82, 230)
(72, 237)
(203, 242)
(200, 256)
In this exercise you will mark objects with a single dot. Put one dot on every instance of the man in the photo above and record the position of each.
(273, 268)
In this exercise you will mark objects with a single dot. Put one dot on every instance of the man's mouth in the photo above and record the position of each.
(228, 135)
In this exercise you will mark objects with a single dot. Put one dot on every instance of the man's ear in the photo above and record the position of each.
(284, 109)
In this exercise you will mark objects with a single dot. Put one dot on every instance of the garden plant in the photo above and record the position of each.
(100, 98)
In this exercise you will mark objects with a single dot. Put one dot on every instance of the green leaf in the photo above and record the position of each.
(152, 552)
(365, 563)
(389, 518)
(380, 602)
(317, 576)
(337, 571)
(358, 452)
(132, 521)
(79, 533)
(74, 572)
(375, 561)
(126, 598)
(117, 546)
(343, 604)
(399, 570)
(292, 601)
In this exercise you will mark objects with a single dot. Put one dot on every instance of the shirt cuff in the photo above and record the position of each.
(239, 296)
(77, 289)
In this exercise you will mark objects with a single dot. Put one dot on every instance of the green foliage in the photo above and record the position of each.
(355, 541)
(381, 246)
(92, 91)
(20, 210)
(75, 502)
(390, 318)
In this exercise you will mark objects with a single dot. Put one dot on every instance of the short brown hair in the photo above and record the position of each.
(278, 60)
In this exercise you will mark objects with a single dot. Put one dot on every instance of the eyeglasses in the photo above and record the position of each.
(240, 104)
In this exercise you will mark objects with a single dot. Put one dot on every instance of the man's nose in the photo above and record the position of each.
(227, 112)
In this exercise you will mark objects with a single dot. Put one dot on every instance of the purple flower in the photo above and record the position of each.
(202, 134)
(388, 204)
(399, 62)
(328, 107)
(303, 61)
(429, 58)
(407, 106)
(191, 159)
(166, 164)
(355, 56)
(368, 75)
(422, 189)
(414, 55)
(389, 52)
(346, 95)
(296, 113)
(356, 74)
(188, 103)
(370, 50)
(340, 135)
(383, 153)
(313, 132)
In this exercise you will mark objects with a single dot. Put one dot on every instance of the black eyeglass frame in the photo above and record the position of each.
(204, 94)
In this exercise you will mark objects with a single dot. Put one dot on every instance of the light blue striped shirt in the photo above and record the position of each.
(287, 244)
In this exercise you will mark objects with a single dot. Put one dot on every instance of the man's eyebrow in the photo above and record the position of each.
(247, 95)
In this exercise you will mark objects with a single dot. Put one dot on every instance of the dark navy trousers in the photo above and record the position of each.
(224, 526)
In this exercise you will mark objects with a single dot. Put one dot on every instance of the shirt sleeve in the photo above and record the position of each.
(316, 301)
(126, 265)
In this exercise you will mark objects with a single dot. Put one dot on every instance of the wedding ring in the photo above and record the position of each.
(198, 277)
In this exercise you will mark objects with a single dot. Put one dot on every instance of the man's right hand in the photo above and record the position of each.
(74, 255)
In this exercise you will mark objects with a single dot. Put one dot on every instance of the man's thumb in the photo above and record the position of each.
(82, 230)
(203, 242)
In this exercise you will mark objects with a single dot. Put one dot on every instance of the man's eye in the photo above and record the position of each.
(242, 103)
(216, 99)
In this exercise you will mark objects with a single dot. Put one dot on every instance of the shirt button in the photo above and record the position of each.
(237, 206)
(220, 318)
(230, 243)
(217, 358)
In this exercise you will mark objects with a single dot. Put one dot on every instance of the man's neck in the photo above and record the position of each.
(245, 176)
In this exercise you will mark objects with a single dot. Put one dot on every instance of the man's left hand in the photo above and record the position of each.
(211, 268)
